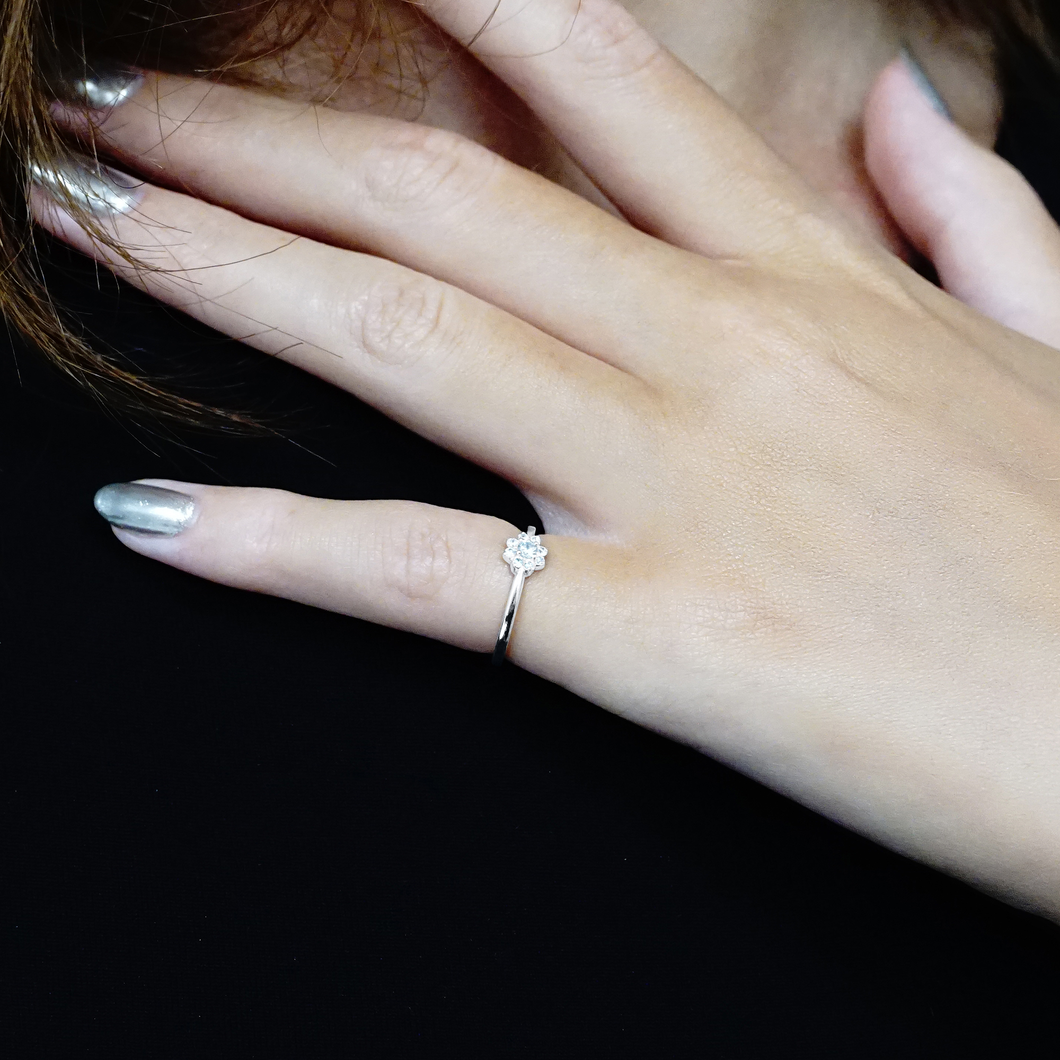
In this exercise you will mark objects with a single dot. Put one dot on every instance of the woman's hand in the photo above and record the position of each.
(803, 506)
(971, 214)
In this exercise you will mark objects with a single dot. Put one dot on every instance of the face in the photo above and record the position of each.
(798, 71)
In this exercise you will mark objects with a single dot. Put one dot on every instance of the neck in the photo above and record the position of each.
(798, 71)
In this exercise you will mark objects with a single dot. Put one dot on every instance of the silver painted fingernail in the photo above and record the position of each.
(86, 183)
(148, 509)
(99, 89)
(931, 93)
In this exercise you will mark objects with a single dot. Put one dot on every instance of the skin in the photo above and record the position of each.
(797, 71)
(802, 505)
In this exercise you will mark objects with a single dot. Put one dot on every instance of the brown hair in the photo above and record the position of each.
(47, 41)
(229, 39)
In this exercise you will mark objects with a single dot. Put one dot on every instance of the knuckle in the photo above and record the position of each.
(609, 43)
(269, 536)
(421, 169)
(418, 559)
(403, 323)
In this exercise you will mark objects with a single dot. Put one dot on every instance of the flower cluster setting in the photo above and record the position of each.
(525, 553)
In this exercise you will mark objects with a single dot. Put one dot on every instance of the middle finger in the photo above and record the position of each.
(424, 197)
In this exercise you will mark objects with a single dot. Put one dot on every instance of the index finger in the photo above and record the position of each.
(665, 148)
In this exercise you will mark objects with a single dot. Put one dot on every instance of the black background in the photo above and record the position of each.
(234, 826)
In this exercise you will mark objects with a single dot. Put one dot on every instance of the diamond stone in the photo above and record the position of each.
(525, 553)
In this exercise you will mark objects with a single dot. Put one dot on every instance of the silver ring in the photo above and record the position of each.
(524, 555)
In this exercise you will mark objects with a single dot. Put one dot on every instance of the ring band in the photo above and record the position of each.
(524, 554)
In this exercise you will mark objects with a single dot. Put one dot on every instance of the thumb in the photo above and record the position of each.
(977, 220)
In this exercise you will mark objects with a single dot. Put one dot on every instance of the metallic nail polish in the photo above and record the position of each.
(931, 93)
(86, 183)
(146, 509)
(100, 89)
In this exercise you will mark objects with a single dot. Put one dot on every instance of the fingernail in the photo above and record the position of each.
(94, 187)
(147, 509)
(931, 93)
(98, 89)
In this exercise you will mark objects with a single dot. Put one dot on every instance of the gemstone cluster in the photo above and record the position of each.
(525, 553)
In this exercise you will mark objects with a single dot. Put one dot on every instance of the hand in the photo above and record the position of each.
(802, 505)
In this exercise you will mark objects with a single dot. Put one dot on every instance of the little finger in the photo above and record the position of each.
(416, 567)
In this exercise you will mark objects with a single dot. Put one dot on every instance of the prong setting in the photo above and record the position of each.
(525, 553)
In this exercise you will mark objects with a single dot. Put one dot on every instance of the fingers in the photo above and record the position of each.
(993, 243)
(455, 369)
(428, 570)
(421, 197)
(662, 146)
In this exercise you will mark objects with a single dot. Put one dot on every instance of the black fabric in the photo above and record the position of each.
(237, 827)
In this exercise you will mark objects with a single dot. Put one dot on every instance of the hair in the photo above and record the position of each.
(232, 40)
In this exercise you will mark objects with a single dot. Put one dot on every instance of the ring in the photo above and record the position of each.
(524, 555)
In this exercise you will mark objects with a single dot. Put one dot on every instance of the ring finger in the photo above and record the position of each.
(450, 366)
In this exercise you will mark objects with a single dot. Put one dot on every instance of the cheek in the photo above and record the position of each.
(465, 98)
(426, 80)
(417, 76)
